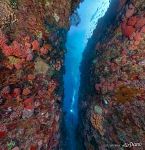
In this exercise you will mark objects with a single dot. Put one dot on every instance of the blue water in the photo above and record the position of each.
(89, 12)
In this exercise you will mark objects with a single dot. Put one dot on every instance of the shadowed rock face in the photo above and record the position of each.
(112, 96)
(32, 45)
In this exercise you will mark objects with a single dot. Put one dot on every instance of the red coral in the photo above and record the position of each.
(140, 23)
(132, 21)
(3, 131)
(16, 92)
(2, 134)
(127, 30)
(35, 45)
(137, 36)
(7, 50)
(33, 147)
(28, 103)
(16, 49)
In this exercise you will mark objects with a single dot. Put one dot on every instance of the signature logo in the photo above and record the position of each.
(132, 144)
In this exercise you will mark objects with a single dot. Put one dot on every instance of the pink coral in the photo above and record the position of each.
(143, 29)
(136, 43)
(124, 52)
(27, 45)
(29, 57)
(19, 50)
(35, 45)
(43, 51)
(18, 66)
(13, 49)
(111, 86)
(7, 50)
(124, 59)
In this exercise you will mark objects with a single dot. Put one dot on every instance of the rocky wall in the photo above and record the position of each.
(112, 92)
(32, 47)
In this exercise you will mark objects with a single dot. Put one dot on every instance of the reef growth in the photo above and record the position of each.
(114, 80)
(32, 46)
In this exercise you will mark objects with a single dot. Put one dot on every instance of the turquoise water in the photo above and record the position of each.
(89, 12)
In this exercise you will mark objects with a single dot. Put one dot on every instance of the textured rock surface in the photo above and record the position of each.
(32, 38)
(113, 79)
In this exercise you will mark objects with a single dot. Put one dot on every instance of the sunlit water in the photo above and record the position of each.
(89, 11)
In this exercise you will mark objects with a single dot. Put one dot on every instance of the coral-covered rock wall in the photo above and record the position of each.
(112, 92)
(32, 39)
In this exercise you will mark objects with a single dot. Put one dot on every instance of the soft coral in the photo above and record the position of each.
(140, 23)
(127, 30)
(132, 21)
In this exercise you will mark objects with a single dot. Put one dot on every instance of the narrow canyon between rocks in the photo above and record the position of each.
(77, 38)
(72, 74)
